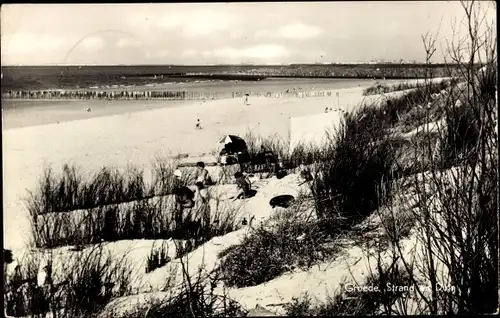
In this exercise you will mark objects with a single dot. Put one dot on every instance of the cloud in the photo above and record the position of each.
(93, 43)
(163, 53)
(25, 43)
(127, 42)
(196, 22)
(295, 31)
(189, 53)
(261, 52)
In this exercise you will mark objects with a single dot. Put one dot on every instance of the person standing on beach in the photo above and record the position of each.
(246, 99)
(203, 180)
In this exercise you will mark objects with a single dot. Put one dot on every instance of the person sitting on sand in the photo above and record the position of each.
(306, 174)
(198, 124)
(202, 174)
(244, 185)
(184, 196)
(183, 199)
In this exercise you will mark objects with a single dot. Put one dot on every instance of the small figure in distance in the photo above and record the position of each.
(326, 110)
(198, 124)
(246, 99)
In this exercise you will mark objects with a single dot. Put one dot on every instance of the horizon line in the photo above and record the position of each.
(241, 64)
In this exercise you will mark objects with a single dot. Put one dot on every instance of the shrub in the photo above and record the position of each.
(461, 135)
(361, 158)
(80, 288)
(275, 248)
(384, 89)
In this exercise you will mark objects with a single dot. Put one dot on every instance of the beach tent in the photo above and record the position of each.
(312, 130)
(232, 145)
(232, 149)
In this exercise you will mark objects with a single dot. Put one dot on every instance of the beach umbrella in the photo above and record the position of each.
(232, 144)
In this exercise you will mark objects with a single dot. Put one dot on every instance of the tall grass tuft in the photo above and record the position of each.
(80, 288)
(384, 89)
(292, 239)
(157, 258)
(347, 186)
(145, 219)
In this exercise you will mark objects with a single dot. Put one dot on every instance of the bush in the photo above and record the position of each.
(81, 287)
(276, 247)
(461, 136)
(361, 160)
(384, 89)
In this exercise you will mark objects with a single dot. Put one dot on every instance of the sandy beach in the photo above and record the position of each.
(129, 132)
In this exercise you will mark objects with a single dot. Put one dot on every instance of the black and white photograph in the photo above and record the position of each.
(233, 159)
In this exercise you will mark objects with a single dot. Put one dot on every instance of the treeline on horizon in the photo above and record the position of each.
(74, 76)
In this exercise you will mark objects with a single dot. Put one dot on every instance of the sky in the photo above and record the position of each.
(225, 33)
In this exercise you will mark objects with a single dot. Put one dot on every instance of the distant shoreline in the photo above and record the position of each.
(71, 77)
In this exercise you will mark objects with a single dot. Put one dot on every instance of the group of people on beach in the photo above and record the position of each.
(189, 196)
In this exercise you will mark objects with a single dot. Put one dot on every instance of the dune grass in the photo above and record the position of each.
(73, 190)
(81, 288)
(291, 238)
(157, 257)
(195, 297)
(279, 156)
(150, 218)
(91, 279)
(146, 219)
(359, 147)
(384, 89)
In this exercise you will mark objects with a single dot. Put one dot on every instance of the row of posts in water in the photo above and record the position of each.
(147, 95)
